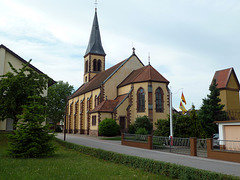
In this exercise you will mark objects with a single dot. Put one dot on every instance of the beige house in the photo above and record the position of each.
(228, 84)
(123, 92)
(6, 56)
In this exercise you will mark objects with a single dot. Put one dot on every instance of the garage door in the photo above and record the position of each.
(232, 133)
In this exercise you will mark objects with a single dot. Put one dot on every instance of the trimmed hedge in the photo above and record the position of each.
(157, 167)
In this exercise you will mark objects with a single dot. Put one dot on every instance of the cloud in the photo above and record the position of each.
(187, 40)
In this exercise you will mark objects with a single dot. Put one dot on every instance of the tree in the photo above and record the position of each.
(57, 100)
(210, 110)
(32, 139)
(184, 126)
(143, 122)
(196, 126)
(16, 87)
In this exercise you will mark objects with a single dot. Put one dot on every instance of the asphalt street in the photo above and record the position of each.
(224, 167)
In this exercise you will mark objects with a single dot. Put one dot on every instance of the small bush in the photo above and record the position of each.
(143, 122)
(131, 129)
(141, 131)
(109, 127)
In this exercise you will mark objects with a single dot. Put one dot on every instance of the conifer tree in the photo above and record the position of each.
(211, 110)
(32, 138)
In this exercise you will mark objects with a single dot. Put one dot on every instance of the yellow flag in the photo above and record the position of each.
(182, 108)
(183, 98)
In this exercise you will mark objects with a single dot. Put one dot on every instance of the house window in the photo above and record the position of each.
(94, 65)
(99, 65)
(159, 100)
(93, 120)
(140, 100)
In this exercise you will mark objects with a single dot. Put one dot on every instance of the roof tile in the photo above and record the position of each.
(222, 77)
(146, 73)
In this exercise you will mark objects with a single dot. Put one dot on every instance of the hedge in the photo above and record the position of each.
(157, 167)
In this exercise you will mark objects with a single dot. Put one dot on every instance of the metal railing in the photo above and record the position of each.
(202, 147)
(233, 114)
(178, 145)
(226, 145)
(136, 137)
(160, 142)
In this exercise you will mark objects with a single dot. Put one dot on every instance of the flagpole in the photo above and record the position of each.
(171, 125)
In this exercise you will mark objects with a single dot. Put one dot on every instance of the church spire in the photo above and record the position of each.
(95, 44)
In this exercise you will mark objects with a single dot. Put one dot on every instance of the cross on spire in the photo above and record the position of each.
(149, 58)
(96, 3)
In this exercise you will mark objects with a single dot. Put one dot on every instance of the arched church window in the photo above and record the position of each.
(86, 66)
(159, 99)
(99, 65)
(140, 100)
(94, 65)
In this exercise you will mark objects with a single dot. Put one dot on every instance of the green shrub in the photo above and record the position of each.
(157, 167)
(131, 129)
(141, 131)
(143, 122)
(109, 127)
(31, 139)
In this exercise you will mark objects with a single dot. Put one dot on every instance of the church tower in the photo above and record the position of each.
(94, 58)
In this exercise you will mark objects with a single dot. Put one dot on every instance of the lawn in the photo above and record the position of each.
(65, 164)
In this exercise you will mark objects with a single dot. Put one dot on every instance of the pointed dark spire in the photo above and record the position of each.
(95, 44)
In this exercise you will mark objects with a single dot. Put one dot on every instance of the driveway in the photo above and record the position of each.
(224, 167)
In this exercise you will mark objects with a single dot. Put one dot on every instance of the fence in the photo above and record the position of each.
(223, 152)
(135, 140)
(202, 147)
(178, 145)
(226, 145)
(220, 149)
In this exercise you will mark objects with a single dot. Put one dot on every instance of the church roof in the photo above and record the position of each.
(95, 44)
(97, 80)
(109, 105)
(100, 78)
(146, 73)
(222, 77)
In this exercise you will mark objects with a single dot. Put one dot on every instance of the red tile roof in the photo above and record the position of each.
(108, 105)
(222, 77)
(146, 73)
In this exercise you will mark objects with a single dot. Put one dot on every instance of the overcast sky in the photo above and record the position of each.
(188, 40)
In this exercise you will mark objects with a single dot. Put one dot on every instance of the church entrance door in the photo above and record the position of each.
(122, 123)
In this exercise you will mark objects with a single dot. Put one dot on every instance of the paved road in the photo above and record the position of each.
(224, 167)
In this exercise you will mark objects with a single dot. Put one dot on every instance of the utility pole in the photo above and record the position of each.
(171, 124)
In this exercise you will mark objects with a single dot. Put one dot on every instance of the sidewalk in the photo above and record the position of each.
(224, 167)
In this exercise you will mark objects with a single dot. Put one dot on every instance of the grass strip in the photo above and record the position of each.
(65, 164)
(157, 167)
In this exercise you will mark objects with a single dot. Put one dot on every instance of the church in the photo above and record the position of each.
(122, 92)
